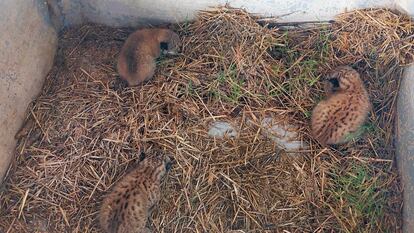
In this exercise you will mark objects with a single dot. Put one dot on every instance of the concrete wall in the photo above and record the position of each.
(27, 48)
(405, 145)
(406, 5)
(137, 12)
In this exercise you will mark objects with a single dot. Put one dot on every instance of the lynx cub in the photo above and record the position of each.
(136, 62)
(127, 207)
(344, 110)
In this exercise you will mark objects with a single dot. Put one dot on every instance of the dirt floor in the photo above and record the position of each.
(87, 129)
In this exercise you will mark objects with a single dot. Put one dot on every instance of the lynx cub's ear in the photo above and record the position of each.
(344, 110)
(168, 163)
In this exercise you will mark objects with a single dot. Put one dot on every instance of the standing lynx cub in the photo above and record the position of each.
(127, 207)
(344, 110)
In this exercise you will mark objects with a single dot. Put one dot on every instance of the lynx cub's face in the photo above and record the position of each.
(171, 46)
(127, 206)
(344, 78)
(344, 110)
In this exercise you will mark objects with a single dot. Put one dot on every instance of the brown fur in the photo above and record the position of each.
(127, 206)
(344, 110)
(136, 62)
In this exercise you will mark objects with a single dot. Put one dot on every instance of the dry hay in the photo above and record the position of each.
(86, 130)
(387, 36)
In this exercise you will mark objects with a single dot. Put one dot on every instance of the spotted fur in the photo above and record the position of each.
(125, 209)
(344, 110)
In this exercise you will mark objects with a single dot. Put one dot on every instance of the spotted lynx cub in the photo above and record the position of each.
(344, 110)
(127, 207)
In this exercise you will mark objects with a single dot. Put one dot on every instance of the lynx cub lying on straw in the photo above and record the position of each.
(344, 110)
(127, 207)
(136, 62)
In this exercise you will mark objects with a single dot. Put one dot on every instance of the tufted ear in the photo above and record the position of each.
(168, 163)
(142, 156)
(164, 46)
(168, 166)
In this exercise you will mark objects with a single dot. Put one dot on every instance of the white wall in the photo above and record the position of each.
(134, 12)
(405, 145)
(27, 48)
(406, 5)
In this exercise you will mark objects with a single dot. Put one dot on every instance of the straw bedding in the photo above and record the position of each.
(86, 129)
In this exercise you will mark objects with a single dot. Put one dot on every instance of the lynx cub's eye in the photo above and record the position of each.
(334, 82)
(164, 46)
